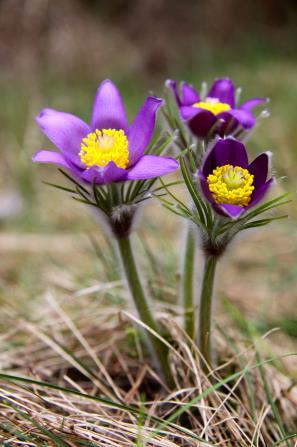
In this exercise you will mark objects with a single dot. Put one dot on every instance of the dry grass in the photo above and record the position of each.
(93, 350)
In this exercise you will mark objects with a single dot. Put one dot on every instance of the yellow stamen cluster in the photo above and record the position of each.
(213, 105)
(102, 146)
(231, 184)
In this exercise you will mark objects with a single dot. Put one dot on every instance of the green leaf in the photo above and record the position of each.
(63, 188)
(199, 204)
(86, 202)
(179, 202)
(167, 185)
(274, 203)
(73, 181)
(262, 222)
(161, 146)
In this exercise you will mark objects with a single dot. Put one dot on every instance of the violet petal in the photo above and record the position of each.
(251, 103)
(229, 210)
(225, 151)
(189, 94)
(228, 123)
(66, 131)
(108, 108)
(259, 193)
(173, 87)
(142, 128)
(151, 166)
(44, 156)
(205, 189)
(103, 175)
(201, 122)
(259, 169)
(245, 118)
(223, 89)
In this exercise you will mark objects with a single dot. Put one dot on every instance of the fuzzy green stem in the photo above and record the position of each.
(205, 310)
(138, 293)
(187, 283)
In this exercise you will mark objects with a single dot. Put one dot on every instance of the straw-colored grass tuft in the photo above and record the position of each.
(89, 383)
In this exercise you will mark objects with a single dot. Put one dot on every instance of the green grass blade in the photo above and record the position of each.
(286, 438)
(249, 383)
(271, 401)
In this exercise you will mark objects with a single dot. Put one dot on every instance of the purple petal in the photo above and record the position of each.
(223, 90)
(234, 117)
(251, 103)
(200, 121)
(151, 166)
(189, 94)
(108, 108)
(188, 112)
(108, 174)
(244, 117)
(205, 189)
(56, 158)
(228, 124)
(260, 192)
(231, 151)
(66, 131)
(232, 211)
(259, 168)
(172, 85)
(210, 161)
(142, 128)
(225, 151)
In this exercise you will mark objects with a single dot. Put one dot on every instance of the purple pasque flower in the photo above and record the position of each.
(108, 149)
(230, 183)
(217, 113)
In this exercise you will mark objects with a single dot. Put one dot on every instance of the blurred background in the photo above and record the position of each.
(55, 53)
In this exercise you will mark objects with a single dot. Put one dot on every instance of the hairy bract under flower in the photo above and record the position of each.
(231, 184)
(102, 146)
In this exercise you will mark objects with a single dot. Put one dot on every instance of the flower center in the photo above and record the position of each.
(213, 105)
(231, 184)
(102, 146)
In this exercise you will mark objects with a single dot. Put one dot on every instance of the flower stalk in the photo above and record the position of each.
(133, 279)
(205, 312)
(187, 282)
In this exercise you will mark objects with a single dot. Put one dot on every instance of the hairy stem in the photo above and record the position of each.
(205, 311)
(187, 283)
(138, 293)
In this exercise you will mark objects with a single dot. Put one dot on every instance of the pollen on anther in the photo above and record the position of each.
(103, 146)
(231, 184)
(212, 105)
